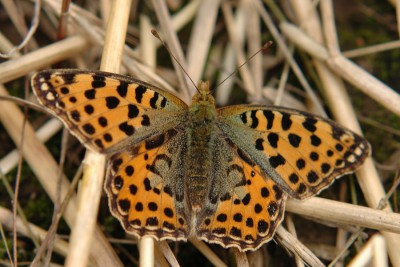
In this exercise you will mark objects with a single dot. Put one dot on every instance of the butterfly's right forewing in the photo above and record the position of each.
(106, 111)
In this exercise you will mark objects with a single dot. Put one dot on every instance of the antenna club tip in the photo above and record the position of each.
(267, 44)
(155, 33)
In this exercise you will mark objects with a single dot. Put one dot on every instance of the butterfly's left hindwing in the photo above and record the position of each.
(106, 111)
(301, 152)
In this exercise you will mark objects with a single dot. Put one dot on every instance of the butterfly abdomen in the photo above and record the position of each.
(199, 155)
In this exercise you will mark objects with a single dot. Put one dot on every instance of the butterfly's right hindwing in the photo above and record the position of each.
(145, 187)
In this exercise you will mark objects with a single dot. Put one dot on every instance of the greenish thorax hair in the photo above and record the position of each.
(201, 138)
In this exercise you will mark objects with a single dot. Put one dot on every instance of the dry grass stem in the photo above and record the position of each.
(92, 181)
(159, 257)
(291, 228)
(284, 48)
(148, 48)
(60, 246)
(253, 30)
(12, 69)
(284, 238)
(282, 85)
(200, 38)
(373, 253)
(175, 48)
(353, 73)
(146, 251)
(241, 258)
(12, 10)
(366, 83)
(372, 49)
(367, 175)
(270, 93)
(185, 15)
(208, 253)
(44, 133)
(168, 254)
(229, 60)
(305, 42)
(237, 46)
(344, 213)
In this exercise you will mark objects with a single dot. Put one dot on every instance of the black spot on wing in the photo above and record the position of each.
(88, 128)
(286, 121)
(64, 90)
(312, 177)
(244, 157)
(118, 182)
(126, 128)
(163, 102)
(309, 124)
(75, 115)
(243, 117)
(153, 100)
(112, 102)
(102, 121)
(259, 144)
(90, 94)
(270, 116)
(68, 78)
(124, 204)
(155, 142)
(133, 111)
(140, 90)
(294, 139)
(273, 139)
(145, 120)
(315, 140)
(300, 163)
(254, 119)
(89, 109)
(277, 160)
(98, 84)
(337, 132)
(122, 89)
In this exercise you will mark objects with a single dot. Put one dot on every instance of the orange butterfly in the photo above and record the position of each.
(221, 175)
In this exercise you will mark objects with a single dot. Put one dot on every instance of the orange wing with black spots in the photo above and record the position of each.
(301, 152)
(220, 175)
(145, 187)
(244, 206)
(106, 111)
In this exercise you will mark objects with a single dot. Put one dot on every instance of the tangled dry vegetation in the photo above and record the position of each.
(339, 59)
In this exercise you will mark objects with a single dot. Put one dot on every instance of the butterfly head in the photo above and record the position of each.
(203, 93)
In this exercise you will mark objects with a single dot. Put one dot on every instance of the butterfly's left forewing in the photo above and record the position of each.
(106, 111)
(301, 152)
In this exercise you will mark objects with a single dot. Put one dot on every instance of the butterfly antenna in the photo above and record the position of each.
(264, 47)
(155, 33)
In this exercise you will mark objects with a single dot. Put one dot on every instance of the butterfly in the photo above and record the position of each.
(177, 171)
